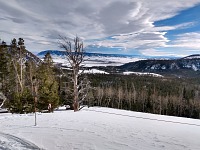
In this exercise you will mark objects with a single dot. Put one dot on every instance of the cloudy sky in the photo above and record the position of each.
(148, 27)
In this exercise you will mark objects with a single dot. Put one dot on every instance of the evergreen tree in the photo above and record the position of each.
(4, 60)
(20, 86)
(48, 86)
(3, 64)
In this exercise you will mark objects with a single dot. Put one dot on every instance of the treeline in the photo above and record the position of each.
(28, 84)
(175, 97)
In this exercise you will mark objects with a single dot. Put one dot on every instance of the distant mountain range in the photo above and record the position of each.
(182, 67)
(63, 53)
(189, 62)
(117, 63)
(93, 59)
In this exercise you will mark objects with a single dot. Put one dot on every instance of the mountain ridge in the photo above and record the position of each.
(58, 52)
(188, 66)
(62, 53)
(183, 67)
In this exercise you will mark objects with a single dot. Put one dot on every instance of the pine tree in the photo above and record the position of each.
(21, 97)
(3, 65)
(4, 59)
(48, 86)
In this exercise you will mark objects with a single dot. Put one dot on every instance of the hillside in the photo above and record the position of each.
(135, 64)
(184, 67)
(98, 129)
(27, 56)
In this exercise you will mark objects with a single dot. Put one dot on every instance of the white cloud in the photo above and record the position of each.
(129, 22)
(188, 41)
(153, 52)
(179, 26)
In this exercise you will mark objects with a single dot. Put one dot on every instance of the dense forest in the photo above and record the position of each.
(166, 96)
(28, 83)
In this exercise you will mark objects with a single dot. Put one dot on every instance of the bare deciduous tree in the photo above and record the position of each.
(3, 97)
(75, 56)
(18, 52)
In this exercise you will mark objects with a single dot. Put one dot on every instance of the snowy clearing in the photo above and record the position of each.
(98, 61)
(142, 74)
(99, 128)
(94, 71)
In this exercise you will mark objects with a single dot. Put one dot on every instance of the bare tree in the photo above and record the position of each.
(18, 51)
(75, 56)
(99, 94)
(3, 97)
(120, 96)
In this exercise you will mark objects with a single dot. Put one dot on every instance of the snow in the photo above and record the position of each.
(194, 67)
(97, 128)
(3, 110)
(90, 71)
(98, 61)
(142, 73)
(192, 57)
(95, 71)
(163, 67)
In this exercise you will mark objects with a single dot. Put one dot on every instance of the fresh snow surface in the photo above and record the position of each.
(90, 71)
(142, 73)
(95, 71)
(2, 110)
(97, 128)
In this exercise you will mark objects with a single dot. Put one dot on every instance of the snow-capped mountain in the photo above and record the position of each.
(93, 59)
(100, 59)
(188, 66)
(62, 53)
(118, 63)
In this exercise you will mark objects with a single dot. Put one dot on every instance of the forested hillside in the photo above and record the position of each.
(183, 67)
(166, 96)
(30, 84)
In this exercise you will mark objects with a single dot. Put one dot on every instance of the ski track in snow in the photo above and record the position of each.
(103, 128)
(10, 142)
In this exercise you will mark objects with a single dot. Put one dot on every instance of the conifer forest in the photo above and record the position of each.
(30, 84)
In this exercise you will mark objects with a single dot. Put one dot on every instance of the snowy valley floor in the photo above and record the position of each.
(98, 128)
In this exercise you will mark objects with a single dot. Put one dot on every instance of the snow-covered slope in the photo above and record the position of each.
(94, 71)
(195, 56)
(142, 74)
(93, 59)
(100, 129)
(161, 65)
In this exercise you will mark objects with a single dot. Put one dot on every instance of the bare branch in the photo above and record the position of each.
(75, 56)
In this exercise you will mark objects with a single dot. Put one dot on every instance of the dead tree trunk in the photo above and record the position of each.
(3, 97)
(75, 57)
